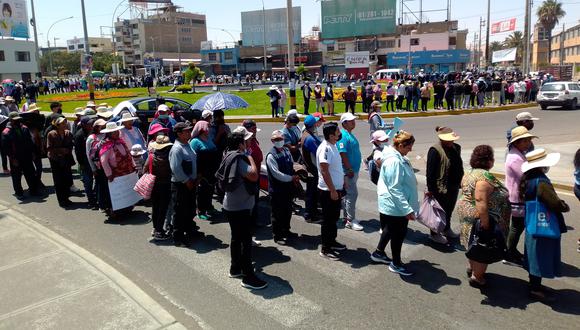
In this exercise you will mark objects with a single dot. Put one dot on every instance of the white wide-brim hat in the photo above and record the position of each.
(540, 158)
(111, 127)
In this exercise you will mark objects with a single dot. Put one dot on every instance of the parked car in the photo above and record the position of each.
(145, 107)
(559, 93)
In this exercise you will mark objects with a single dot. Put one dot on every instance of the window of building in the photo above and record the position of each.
(71, 47)
(390, 44)
(341, 46)
(211, 56)
(94, 45)
(187, 40)
(2, 58)
(137, 56)
(330, 48)
(414, 41)
(228, 56)
(81, 46)
(452, 41)
(186, 30)
(22, 56)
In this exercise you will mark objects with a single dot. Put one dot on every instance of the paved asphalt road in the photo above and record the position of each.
(307, 291)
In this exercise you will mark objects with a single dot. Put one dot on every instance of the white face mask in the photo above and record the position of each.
(279, 144)
(384, 144)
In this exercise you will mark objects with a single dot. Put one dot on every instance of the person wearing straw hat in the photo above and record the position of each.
(520, 143)
(158, 165)
(92, 105)
(444, 173)
(130, 134)
(93, 146)
(526, 120)
(18, 146)
(542, 256)
(11, 104)
(274, 99)
(59, 145)
(104, 112)
(34, 120)
(139, 156)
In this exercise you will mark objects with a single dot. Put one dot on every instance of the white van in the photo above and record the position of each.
(387, 73)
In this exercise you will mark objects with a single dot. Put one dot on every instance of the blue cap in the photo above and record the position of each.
(310, 120)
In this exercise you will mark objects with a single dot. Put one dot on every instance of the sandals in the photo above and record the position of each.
(475, 283)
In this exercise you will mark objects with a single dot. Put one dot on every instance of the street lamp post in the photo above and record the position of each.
(264, 36)
(48, 41)
(88, 53)
(410, 62)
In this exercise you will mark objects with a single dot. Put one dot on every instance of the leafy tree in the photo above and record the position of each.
(516, 40)
(104, 62)
(192, 75)
(495, 46)
(301, 70)
(549, 14)
(62, 62)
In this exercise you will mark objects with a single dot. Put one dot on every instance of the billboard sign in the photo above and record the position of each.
(503, 26)
(504, 55)
(276, 27)
(429, 57)
(13, 19)
(351, 18)
(355, 60)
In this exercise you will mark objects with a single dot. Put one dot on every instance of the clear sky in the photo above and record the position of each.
(225, 14)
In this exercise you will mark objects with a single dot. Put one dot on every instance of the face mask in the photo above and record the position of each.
(384, 144)
(315, 131)
(278, 144)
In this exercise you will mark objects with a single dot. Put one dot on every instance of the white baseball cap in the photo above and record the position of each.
(347, 116)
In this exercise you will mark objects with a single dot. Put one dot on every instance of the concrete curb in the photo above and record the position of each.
(558, 186)
(156, 311)
(385, 115)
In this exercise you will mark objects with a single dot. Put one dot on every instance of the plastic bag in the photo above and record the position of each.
(432, 215)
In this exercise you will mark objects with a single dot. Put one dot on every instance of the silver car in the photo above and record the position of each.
(560, 93)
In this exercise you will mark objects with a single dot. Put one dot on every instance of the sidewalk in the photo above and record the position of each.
(49, 282)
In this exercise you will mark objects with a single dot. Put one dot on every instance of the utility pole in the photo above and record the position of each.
(526, 55)
(481, 23)
(264, 36)
(473, 47)
(487, 58)
(291, 69)
(562, 39)
(39, 74)
(88, 53)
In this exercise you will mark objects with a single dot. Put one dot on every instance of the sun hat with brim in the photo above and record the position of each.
(100, 122)
(519, 133)
(91, 104)
(137, 150)
(523, 116)
(163, 107)
(58, 121)
(156, 128)
(127, 117)
(206, 113)
(32, 107)
(447, 134)
(14, 116)
(277, 135)
(79, 111)
(347, 116)
(104, 112)
(292, 112)
(9, 99)
(242, 130)
(111, 127)
(379, 136)
(540, 158)
(161, 141)
(273, 87)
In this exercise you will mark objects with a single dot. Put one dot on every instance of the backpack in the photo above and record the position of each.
(374, 170)
(511, 89)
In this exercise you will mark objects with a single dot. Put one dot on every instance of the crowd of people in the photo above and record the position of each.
(194, 163)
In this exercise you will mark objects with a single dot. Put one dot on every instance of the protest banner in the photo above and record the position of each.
(122, 193)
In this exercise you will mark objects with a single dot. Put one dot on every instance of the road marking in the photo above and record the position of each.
(288, 308)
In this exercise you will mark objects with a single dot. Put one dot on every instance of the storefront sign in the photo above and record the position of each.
(356, 60)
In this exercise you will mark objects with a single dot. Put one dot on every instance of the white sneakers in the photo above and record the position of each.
(354, 225)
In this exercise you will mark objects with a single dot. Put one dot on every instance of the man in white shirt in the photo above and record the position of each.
(331, 189)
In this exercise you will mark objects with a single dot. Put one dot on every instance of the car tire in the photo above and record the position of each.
(543, 106)
(574, 104)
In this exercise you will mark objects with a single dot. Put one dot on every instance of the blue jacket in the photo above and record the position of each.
(397, 186)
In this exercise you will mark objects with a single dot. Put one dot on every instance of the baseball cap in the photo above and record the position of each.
(319, 115)
(525, 116)
(182, 126)
(163, 107)
(277, 135)
(379, 136)
(293, 119)
(206, 113)
(347, 116)
(310, 120)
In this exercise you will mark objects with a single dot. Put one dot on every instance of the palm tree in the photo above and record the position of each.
(549, 14)
(495, 46)
(516, 40)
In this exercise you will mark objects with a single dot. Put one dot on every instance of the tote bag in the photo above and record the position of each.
(540, 221)
(144, 186)
(432, 215)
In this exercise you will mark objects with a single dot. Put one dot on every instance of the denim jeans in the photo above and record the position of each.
(349, 201)
(88, 184)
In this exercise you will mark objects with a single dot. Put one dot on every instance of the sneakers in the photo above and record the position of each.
(203, 216)
(255, 242)
(449, 233)
(160, 236)
(380, 257)
(280, 240)
(354, 225)
(399, 270)
(337, 246)
(235, 273)
(253, 282)
(438, 238)
(329, 254)
(74, 189)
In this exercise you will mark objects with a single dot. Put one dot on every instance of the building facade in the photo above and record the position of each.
(18, 60)
(220, 61)
(169, 34)
(96, 45)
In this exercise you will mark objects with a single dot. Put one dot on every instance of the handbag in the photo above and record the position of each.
(432, 215)
(486, 246)
(144, 186)
(540, 221)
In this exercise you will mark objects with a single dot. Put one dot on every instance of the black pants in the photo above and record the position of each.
(160, 198)
(394, 230)
(349, 105)
(450, 103)
(184, 208)
(447, 202)
(424, 102)
(26, 168)
(330, 213)
(306, 106)
(577, 191)
(274, 106)
(391, 101)
(62, 177)
(517, 225)
(281, 213)
(311, 202)
(368, 102)
(241, 244)
(409, 103)
(4, 160)
(37, 159)
(204, 196)
(472, 100)
(535, 283)
(400, 99)
(102, 187)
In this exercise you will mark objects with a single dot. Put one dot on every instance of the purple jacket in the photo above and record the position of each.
(513, 175)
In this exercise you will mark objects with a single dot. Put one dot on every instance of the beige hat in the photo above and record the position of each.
(111, 127)
(519, 133)
(447, 134)
(104, 112)
(137, 150)
(127, 117)
(33, 107)
(522, 116)
(244, 131)
(9, 99)
(99, 122)
(91, 104)
(161, 141)
(540, 158)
